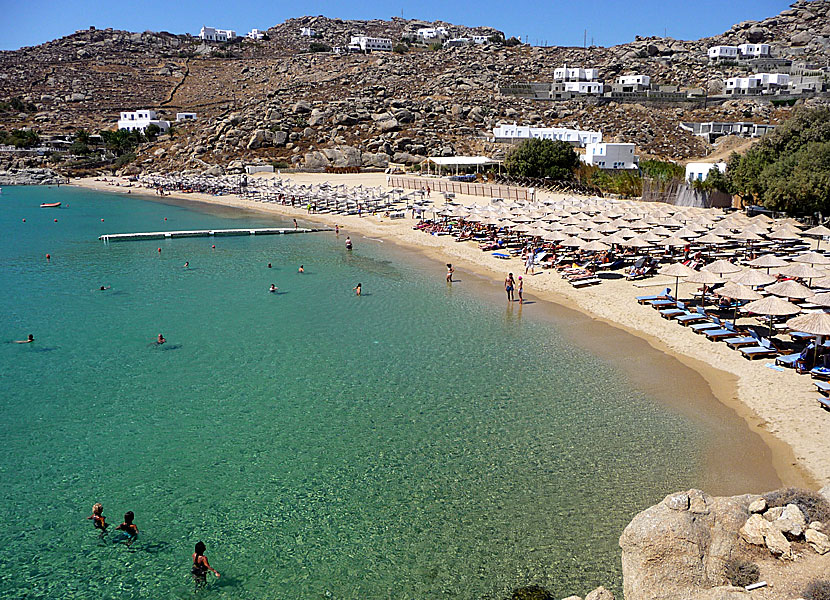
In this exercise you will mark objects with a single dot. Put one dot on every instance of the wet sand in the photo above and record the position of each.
(764, 420)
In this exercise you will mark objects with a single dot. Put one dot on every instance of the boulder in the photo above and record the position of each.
(279, 138)
(379, 160)
(600, 594)
(315, 160)
(756, 34)
(758, 506)
(343, 156)
(301, 107)
(754, 530)
(677, 501)
(390, 124)
(817, 540)
(791, 521)
(670, 553)
(777, 543)
(774, 513)
(317, 117)
(259, 138)
(825, 491)
(214, 171)
(801, 39)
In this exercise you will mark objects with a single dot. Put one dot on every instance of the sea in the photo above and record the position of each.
(423, 440)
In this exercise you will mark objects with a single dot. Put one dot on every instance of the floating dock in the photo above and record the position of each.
(161, 235)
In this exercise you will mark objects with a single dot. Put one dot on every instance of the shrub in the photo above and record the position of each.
(124, 160)
(542, 158)
(742, 573)
(400, 48)
(496, 38)
(151, 131)
(531, 592)
(513, 41)
(814, 506)
(280, 164)
(436, 46)
(817, 590)
(318, 47)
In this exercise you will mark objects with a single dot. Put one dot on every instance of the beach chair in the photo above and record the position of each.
(788, 360)
(823, 387)
(728, 330)
(670, 313)
(692, 317)
(713, 323)
(664, 296)
(765, 348)
(740, 341)
(501, 255)
(820, 372)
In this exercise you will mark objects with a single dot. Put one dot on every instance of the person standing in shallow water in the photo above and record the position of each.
(509, 285)
(450, 271)
(201, 566)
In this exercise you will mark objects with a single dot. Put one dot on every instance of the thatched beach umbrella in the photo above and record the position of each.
(802, 271)
(707, 278)
(677, 270)
(768, 261)
(812, 258)
(822, 299)
(736, 291)
(721, 267)
(818, 232)
(754, 278)
(790, 289)
(772, 306)
(816, 323)
(595, 246)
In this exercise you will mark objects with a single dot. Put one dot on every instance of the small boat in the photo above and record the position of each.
(50, 205)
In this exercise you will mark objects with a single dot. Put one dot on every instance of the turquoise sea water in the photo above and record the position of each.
(421, 441)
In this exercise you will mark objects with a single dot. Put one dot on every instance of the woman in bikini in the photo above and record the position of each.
(201, 566)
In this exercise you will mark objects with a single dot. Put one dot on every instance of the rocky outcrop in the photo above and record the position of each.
(679, 547)
(31, 176)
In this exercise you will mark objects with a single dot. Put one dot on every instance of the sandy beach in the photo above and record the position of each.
(779, 405)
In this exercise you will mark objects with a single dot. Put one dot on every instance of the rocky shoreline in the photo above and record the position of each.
(31, 176)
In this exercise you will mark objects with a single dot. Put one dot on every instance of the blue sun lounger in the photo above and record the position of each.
(728, 330)
(692, 317)
(664, 296)
(788, 360)
(714, 323)
(765, 348)
(501, 255)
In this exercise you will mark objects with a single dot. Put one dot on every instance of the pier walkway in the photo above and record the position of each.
(159, 235)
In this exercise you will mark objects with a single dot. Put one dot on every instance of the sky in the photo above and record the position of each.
(546, 22)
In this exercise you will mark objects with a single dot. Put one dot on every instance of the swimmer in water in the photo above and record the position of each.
(348, 243)
(273, 289)
(98, 519)
(336, 229)
(269, 265)
(28, 340)
(186, 264)
(128, 527)
(301, 269)
(357, 289)
(160, 340)
(201, 566)
(104, 287)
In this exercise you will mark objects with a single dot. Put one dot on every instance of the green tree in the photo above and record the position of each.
(152, 131)
(318, 47)
(542, 158)
(400, 48)
(122, 141)
(82, 136)
(79, 148)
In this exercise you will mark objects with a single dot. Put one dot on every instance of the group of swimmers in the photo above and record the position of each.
(129, 534)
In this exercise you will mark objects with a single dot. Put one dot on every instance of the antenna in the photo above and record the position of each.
(585, 39)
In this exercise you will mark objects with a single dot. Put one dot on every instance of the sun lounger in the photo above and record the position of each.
(692, 317)
(658, 304)
(739, 342)
(670, 313)
(765, 348)
(825, 403)
(823, 387)
(501, 255)
(664, 296)
(788, 360)
(820, 373)
(579, 283)
(713, 323)
(716, 334)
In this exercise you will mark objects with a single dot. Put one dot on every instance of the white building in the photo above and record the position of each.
(211, 34)
(362, 43)
(584, 87)
(699, 171)
(481, 39)
(611, 156)
(756, 84)
(255, 34)
(307, 32)
(510, 132)
(432, 34)
(723, 52)
(186, 116)
(643, 80)
(571, 74)
(457, 42)
(754, 50)
(140, 120)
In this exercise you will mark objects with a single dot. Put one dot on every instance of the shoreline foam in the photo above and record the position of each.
(779, 406)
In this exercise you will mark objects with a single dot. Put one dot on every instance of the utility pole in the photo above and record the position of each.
(585, 39)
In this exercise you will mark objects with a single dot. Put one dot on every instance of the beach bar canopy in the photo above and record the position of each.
(442, 163)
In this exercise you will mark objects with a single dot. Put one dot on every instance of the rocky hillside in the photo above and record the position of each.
(272, 100)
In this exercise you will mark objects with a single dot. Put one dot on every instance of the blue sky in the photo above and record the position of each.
(609, 22)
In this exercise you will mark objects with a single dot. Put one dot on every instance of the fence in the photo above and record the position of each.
(460, 187)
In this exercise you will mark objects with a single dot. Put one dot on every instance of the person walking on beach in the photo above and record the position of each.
(509, 284)
(520, 289)
(357, 289)
(201, 566)
(450, 271)
(529, 263)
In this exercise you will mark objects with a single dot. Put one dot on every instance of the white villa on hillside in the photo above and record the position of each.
(457, 42)
(362, 43)
(140, 120)
(759, 83)
(577, 81)
(211, 34)
(575, 74)
(432, 34)
(506, 132)
(307, 32)
(611, 156)
(185, 116)
(723, 52)
(255, 34)
(699, 171)
(643, 80)
(754, 50)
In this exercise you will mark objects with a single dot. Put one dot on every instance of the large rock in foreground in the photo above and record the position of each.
(679, 547)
